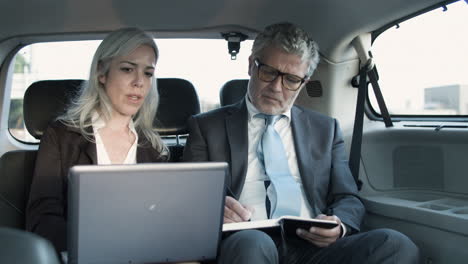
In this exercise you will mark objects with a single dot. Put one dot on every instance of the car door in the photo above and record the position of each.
(415, 173)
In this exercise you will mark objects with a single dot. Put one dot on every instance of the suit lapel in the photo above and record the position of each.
(237, 134)
(142, 155)
(302, 131)
(145, 151)
(88, 153)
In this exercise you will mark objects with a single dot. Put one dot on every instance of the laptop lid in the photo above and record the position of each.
(145, 213)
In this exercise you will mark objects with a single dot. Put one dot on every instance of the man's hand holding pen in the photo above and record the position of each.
(235, 212)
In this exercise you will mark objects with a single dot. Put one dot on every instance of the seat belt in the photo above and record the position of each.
(374, 79)
(370, 70)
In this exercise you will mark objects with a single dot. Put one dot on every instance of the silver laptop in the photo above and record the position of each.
(145, 213)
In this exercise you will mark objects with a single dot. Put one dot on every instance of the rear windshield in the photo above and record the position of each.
(206, 63)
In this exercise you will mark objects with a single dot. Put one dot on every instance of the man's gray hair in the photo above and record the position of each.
(291, 39)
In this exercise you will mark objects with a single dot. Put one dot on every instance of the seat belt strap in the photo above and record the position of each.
(378, 95)
(370, 70)
(355, 153)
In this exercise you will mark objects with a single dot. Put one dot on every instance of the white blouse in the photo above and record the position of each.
(102, 156)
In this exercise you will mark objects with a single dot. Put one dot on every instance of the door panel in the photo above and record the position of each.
(416, 181)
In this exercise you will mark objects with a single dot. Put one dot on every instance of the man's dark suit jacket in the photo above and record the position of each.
(62, 147)
(221, 135)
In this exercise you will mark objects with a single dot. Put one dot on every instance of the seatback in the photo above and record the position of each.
(16, 170)
(23, 247)
(45, 100)
(178, 101)
(233, 91)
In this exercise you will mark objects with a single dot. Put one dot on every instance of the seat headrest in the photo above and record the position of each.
(178, 101)
(46, 100)
(233, 91)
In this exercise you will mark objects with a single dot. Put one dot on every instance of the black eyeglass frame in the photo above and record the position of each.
(259, 64)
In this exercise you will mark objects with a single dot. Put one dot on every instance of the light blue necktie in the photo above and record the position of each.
(271, 152)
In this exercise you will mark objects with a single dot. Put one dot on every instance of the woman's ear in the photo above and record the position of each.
(102, 79)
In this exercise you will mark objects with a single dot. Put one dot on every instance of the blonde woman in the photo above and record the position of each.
(110, 122)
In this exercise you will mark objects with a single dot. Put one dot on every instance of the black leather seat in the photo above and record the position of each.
(19, 246)
(16, 169)
(233, 91)
(178, 100)
(45, 100)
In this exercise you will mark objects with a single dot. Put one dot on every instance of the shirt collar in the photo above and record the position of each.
(252, 110)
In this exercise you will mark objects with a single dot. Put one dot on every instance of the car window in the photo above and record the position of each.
(423, 64)
(206, 63)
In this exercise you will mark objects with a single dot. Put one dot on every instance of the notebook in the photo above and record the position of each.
(288, 223)
(145, 213)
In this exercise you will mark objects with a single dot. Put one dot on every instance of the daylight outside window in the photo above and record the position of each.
(423, 64)
(206, 63)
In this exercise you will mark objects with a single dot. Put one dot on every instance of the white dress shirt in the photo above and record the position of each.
(254, 193)
(102, 156)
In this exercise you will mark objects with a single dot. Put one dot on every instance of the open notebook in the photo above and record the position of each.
(288, 223)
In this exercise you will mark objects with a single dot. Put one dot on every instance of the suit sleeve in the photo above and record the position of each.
(343, 193)
(45, 212)
(196, 148)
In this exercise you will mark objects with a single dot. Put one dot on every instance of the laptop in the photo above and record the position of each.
(145, 213)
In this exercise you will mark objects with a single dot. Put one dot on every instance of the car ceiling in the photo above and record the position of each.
(333, 23)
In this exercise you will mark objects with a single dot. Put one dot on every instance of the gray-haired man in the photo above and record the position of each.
(266, 131)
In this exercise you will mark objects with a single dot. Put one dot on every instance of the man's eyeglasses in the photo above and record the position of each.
(269, 74)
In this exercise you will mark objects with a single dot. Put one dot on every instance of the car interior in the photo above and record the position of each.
(393, 73)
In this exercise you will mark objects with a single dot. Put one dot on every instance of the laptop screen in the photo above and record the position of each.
(164, 212)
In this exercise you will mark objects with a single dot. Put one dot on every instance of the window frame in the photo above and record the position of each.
(371, 111)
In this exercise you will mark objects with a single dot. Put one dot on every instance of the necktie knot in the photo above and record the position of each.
(269, 119)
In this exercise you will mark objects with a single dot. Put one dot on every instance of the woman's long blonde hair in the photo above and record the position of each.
(93, 98)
